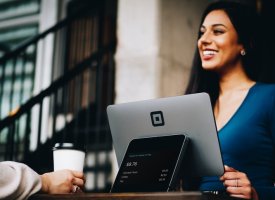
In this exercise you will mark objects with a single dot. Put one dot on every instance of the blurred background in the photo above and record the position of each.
(62, 62)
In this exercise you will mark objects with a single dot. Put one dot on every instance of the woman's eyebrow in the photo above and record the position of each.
(214, 25)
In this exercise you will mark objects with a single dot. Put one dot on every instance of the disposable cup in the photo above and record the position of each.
(68, 156)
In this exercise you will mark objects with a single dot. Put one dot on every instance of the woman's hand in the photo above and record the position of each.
(63, 181)
(237, 184)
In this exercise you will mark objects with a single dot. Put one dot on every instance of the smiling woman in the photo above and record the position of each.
(218, 43)
(226, 65)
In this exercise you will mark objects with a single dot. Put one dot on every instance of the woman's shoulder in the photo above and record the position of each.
(265, 87)
(263, 92)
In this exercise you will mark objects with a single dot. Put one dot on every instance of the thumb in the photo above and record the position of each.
(229, 169)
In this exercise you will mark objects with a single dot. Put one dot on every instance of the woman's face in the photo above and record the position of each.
(218, 45)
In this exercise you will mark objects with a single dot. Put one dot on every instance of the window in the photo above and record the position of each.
(18, 21)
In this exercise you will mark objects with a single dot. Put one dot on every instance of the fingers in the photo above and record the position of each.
(239, 196)
(79, 182)
(79, 178)
(229, 169)
(76, 189)
(235, 192)
(232, 183)
(78, 174)
(237, 183)
(239, 192)
(63, 181)
(231, 173)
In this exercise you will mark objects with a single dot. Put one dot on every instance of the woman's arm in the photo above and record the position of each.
(18, 181)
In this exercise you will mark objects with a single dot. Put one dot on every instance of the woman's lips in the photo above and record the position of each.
(208, 54)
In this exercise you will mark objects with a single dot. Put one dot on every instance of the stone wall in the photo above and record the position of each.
(156, 43)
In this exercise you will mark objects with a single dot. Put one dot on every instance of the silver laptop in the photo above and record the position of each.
(191, 115)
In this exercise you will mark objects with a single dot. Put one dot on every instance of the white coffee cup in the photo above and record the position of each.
(68, 156)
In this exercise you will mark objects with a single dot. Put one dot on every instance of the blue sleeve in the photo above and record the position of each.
(265, 193)
(269, 192)
(272, 121)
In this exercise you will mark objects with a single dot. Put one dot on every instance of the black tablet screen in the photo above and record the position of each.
(149, 164)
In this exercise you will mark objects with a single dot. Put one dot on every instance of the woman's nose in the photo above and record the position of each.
(205, 38)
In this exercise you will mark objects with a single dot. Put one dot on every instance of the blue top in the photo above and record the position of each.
(248, 142)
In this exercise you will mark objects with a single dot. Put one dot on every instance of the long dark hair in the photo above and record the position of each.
(246, 22)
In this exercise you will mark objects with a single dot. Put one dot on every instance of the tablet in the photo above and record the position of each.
(151, 164)
(190, 114)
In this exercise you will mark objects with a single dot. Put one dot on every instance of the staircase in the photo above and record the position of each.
(73, 107)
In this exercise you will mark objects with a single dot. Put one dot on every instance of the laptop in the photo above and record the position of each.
(190, 115)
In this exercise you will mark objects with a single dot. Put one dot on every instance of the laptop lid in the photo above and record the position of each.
(191, 115)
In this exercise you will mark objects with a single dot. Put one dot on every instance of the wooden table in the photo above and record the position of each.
(123, 196)
(134, 196)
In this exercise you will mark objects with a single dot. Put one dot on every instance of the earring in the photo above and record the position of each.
(243, 52)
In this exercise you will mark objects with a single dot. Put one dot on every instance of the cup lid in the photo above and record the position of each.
(59, 146)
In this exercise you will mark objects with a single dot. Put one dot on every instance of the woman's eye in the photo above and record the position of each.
(217, 32)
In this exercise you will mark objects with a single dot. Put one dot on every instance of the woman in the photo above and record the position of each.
(18, 181)
(226, 66)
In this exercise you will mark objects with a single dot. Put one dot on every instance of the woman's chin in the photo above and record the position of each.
(210, 67)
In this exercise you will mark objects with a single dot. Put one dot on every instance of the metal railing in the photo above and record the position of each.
(93, 131)
(71, 108)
